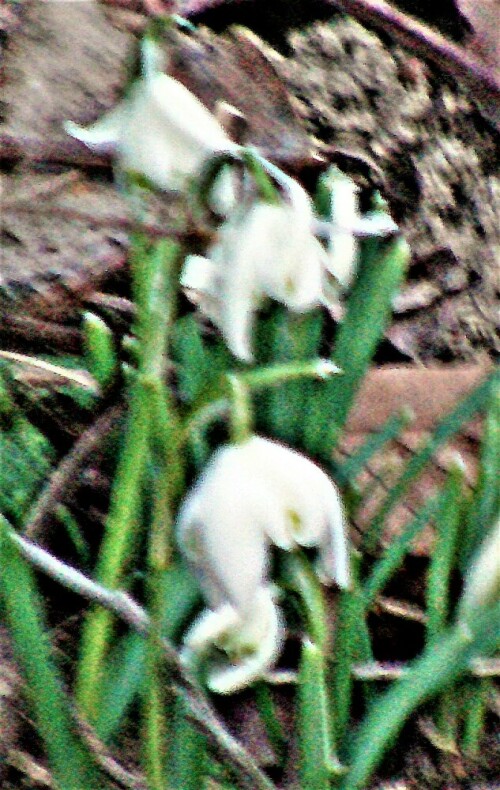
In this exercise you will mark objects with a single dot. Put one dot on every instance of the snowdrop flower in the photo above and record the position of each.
(250, 496)
(482, 581)
(269, 250)
(160, 130)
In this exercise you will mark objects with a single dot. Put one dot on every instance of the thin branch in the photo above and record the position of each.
(66, 474)
(125, 608)
(80, 377)
(128, 779)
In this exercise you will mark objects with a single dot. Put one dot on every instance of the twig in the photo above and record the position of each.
(125, 608)
(132, 781)
(66, 474)
(80, 377)
(380, 670)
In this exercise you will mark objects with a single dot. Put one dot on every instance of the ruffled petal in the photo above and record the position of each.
(252, 647)
(104, 135)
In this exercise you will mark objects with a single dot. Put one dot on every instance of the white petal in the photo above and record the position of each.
(187, 116)
(482, 581)
(234, 255)
(199, 274)
(253, 647)
(334, 555)
(209, 628)
(343, 246)
(374, 223)
(104, 135)
(162, 131)
(342, 257)
(170, 134)
(309, 500)
(220, 532)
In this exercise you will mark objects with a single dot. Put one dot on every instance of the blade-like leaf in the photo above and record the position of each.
(70, 765)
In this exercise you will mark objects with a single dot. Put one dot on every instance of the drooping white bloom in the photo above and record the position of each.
(160, 130)
(482, 581)
(250, 496)
(268, 250)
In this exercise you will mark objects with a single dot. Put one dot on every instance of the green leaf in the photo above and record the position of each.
(70, 764)
(485, 505)
(125, 671)
(448, 427)
(293, 338)
(442, 663)
(188, 350)
(314, 727)
(442, 558)
(395, 553)
(352, 645)
(354, 465)
(188, 750)
(381, 272)
(100, 350)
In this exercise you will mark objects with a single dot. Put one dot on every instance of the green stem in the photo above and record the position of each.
(474, 715)
(153, 273)
(240, 413)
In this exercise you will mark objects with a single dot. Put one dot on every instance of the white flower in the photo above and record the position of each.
(250, 496)
(160, 130)
(269, 250)
(482, 581)
(343, 244)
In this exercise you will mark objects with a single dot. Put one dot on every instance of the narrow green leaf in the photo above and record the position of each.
(125, 673)
(440, 665)
(394, 555)
(447, 428)
(154, 274)
(189, 353)
(485, 504)
(392, 428)
(299, 576)
(475, 712)
(352, 645)
(270, 720)
(294, 338)
(315, 751)
(442, 558)
(367, 315)
(188, 750)
(99, 350)
(70, 765)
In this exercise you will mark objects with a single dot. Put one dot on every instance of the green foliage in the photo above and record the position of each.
(21, 602)
(25, 463)
(181, 389)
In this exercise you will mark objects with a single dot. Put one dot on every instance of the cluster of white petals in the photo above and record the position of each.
(159, 130)
(266, 250)
(251, 496)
